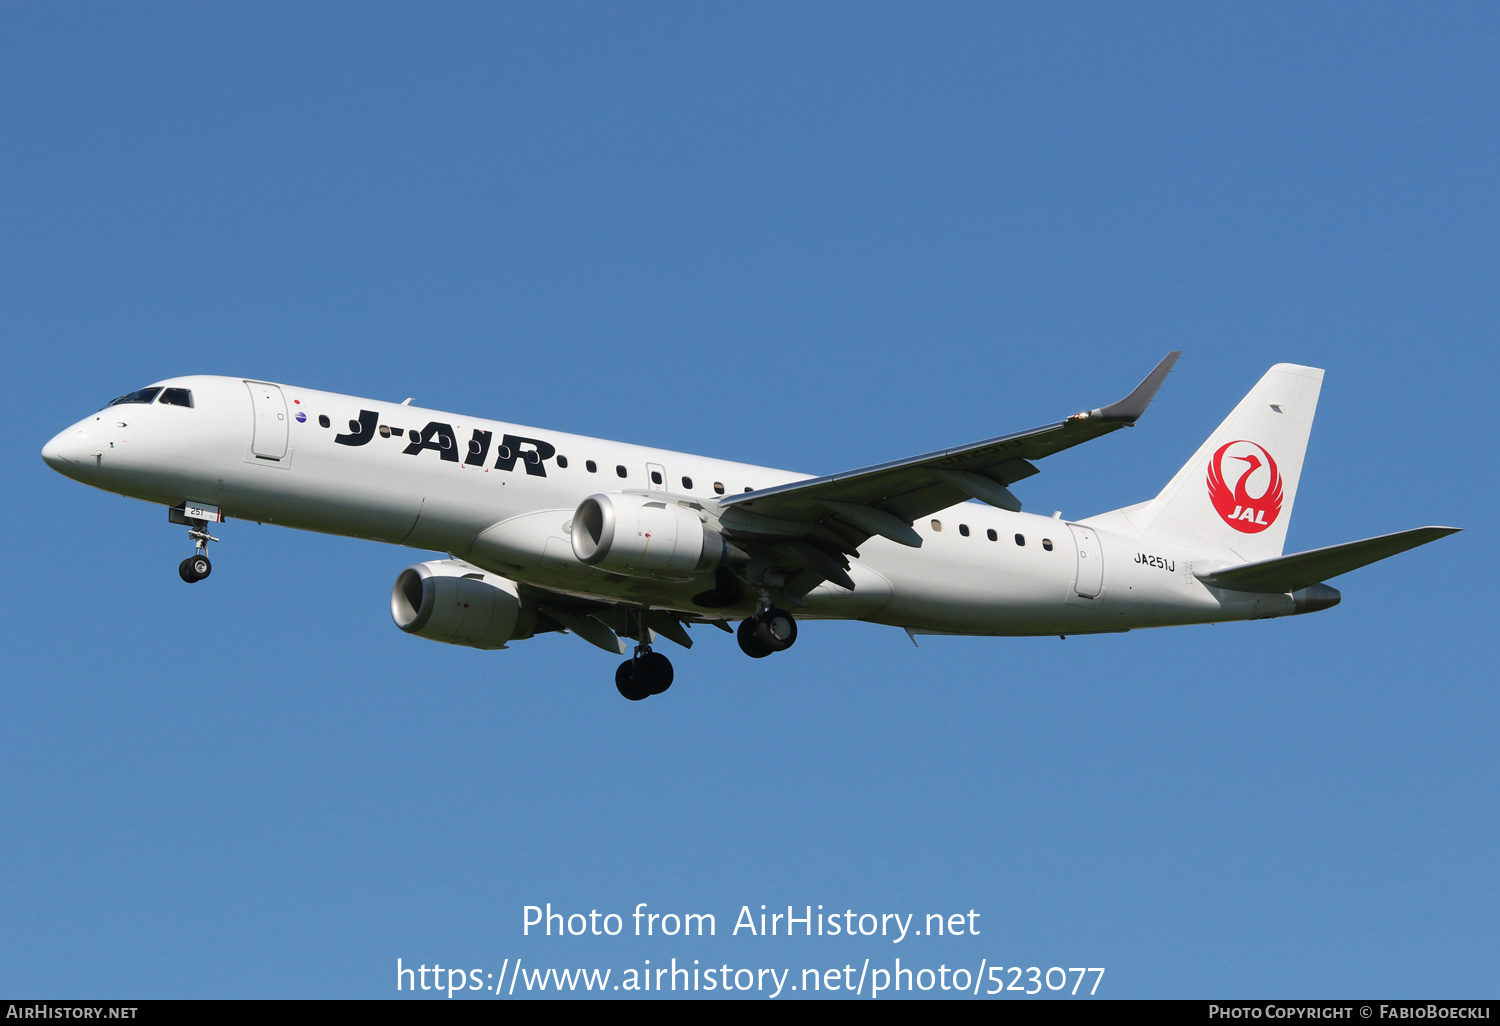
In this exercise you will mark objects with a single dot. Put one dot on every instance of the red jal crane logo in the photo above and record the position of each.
(1250, 467)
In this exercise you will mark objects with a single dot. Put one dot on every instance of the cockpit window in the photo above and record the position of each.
(144, 395)
(176, 397)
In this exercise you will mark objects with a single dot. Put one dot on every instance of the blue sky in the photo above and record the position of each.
(811, 236)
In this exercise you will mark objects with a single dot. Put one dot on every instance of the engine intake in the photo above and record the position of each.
(458, 604)
(638, 534)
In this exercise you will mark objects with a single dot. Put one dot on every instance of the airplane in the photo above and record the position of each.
(551, 532)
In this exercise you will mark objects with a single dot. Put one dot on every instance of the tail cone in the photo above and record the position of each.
(1315, 597)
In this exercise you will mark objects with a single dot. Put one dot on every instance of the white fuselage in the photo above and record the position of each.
(508, 510)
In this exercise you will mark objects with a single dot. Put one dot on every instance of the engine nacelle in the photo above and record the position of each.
(639, 534)
(459, 604)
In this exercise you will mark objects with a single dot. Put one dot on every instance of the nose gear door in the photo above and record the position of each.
(269, 405)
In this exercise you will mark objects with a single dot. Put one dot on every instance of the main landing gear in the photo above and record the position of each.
(647, 673)
(773, 630)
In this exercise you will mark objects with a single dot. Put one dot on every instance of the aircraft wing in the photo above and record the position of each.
(604, 624)
(814, 523)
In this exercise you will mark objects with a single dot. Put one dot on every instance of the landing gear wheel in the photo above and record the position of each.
(653, 671)
(750, 643)
(776, 629)
(628, 684)
(194, 569)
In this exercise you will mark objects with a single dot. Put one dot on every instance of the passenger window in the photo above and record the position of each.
(963, 529)
(937, 525)
(718, 487)
(385, 431)
(142, 395)
(991, 535)
(562, 461)
(590, 466)
(687, 484)
(655, 476)
(619, 471)
(176, 397)
(1047, 544)
(323, 420)
(749, 489)
(1020, 539)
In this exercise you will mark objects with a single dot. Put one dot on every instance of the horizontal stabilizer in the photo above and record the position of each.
(1301, 569)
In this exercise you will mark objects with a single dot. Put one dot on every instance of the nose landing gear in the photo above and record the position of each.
(196, 567)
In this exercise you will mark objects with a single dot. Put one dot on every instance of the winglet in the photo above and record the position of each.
(1133, 405)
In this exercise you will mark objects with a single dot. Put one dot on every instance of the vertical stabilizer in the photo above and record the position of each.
(1235, 495)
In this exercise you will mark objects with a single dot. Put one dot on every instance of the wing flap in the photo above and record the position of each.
(1302, 569)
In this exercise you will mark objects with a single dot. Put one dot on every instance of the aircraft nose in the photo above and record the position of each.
(62, 451)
